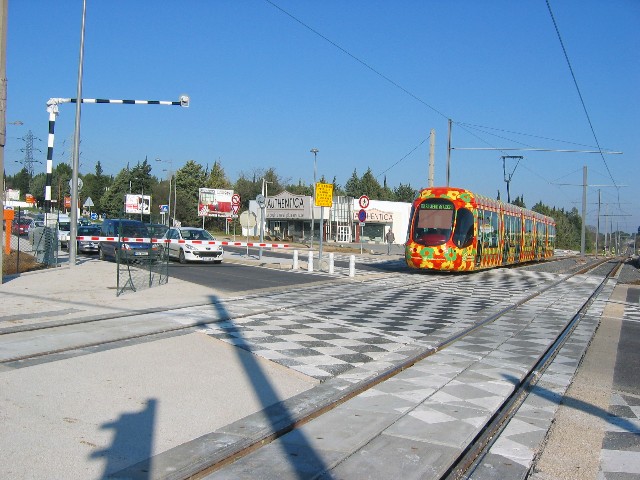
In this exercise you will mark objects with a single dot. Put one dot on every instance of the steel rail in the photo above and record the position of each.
(303, 417)
(473, 455)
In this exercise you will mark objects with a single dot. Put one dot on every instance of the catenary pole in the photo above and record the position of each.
(3, 107)
(71, 245)
(432, 156)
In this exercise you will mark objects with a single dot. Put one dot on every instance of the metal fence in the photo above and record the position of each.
(140, 274)
(28, 249)
(39, 247)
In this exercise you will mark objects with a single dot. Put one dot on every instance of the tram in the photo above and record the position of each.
(453, 229)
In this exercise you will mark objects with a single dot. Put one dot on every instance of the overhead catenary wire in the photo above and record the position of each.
(465, 126)
(575, 82)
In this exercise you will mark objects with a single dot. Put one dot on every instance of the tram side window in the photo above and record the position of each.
(463, 232)
(488, 230)
(541, 231)
(518, 231)
(552, 236)
(490, 227)
(508, 229)
(528, 232)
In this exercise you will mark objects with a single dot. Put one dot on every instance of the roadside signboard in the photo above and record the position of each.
(324, 194)
(248, 219)
(214, 202)
(135, 203)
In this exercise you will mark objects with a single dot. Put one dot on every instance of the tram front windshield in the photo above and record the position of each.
(433, 223)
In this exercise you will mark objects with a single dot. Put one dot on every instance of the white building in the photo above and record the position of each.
(289, 217)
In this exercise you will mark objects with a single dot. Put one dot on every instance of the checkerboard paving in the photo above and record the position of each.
(322, 333)
(433, 409)
(620, 454)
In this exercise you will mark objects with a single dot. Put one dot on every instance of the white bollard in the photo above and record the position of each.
(331, 263)
(352, 266)
(310, 264)
(295, 259)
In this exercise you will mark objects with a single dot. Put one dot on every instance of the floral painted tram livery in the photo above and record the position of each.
(456, 230)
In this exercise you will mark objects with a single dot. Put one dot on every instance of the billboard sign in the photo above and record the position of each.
(214, 202)
(136, 203)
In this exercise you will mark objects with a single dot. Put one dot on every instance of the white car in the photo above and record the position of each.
(192, 252)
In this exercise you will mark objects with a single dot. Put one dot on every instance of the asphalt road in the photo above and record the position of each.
(233, 277)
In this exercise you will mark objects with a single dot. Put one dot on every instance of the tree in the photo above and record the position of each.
(519, 201)
(60, 183)
(386, 193)
(247, 189)
(370, 186)
(405, 193)
(217, 178)
(20, 181)
(189, 180)
(112, 201)
(95, 185)
(352, 188)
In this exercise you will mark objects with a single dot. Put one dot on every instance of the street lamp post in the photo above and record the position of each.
(313, 203)
(170, 174)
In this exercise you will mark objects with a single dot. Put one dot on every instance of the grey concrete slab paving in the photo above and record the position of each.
(416, 419)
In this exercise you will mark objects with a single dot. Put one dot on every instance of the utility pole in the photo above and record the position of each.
(449, 153)
(28, 160)
(432, 156)
(507, 178)
(3, 105)
(583, 235)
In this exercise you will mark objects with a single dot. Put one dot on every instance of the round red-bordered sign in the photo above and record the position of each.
(363, 201)
(235, 199)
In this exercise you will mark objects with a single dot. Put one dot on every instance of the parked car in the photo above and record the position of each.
(88, 246)
(126, 251)
(192, 252)
(157, 230)
(21, 226)
(64, 230)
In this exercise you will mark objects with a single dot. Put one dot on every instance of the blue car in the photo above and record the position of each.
(127, 251)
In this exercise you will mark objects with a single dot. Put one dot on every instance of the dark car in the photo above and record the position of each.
(157, 230)
(88, 246)
(134, 248)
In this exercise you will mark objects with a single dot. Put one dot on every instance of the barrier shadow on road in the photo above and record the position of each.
(299, 452)
(206, 452)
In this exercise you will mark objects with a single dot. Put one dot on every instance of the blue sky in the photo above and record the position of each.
(362, 81)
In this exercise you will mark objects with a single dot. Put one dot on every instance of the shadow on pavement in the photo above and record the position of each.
(133, 438)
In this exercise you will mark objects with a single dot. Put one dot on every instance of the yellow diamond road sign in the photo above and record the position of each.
(324, 194)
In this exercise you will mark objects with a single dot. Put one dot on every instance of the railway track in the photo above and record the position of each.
(304, 410)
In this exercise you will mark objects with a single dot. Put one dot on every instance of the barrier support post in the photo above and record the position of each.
(352, 265)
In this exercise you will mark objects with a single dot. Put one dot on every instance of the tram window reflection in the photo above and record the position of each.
(433, 224)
